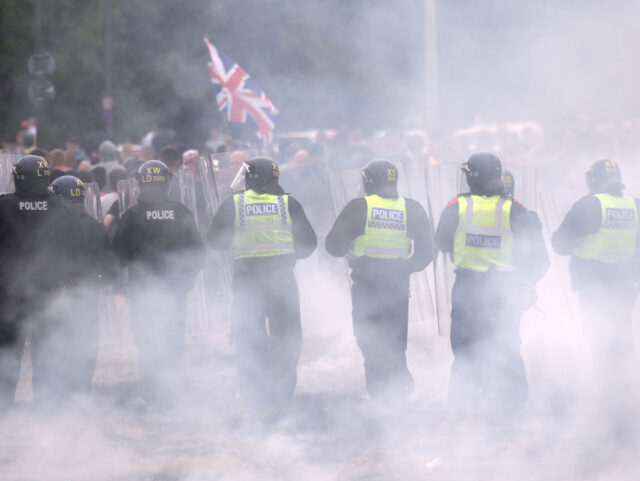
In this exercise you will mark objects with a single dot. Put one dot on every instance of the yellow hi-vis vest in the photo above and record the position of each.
(385, 232)
(262, 225)
(616, 239)
(483, 239)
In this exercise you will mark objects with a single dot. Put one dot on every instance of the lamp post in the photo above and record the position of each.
(40, 64)
(431, 67)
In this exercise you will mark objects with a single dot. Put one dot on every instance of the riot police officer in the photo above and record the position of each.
(96, 268)
(39, 236)
(600, 232)
(268, 231)
(158, 241)
(499, 255)
(386, 238)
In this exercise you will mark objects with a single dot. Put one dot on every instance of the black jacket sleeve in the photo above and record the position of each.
(349, 225)
(304, 237)
(529, 250)
(418, 229)
(584, 218)
(222, 226)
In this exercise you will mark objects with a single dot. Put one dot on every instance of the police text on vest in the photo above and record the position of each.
(160, 215)
(483, 241)
(33, 205)
(261, 209)
(389, 215)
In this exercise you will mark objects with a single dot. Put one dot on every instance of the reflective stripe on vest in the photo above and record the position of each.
(616, 239)
(262, 225)
(385, 232)
(483, 239)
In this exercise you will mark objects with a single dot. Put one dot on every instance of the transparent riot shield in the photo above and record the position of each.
(128, 192)
(443, 181)
(92, 204)
(525, 186)
(114, 315)
(553, 206)
(197, 307)
(7, 159)
(344, 186)
(421, 303)
(218, 273)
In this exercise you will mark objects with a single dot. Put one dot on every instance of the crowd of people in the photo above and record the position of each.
(494, 242)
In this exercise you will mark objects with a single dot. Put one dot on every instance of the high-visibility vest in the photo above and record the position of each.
(616, 239)
(483, 239)
(385, 232)
(262, 225)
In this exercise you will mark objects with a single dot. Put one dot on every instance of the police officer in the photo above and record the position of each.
(499, 255)
(39, 236)
(268, 231)
(386, 238)
(157, 239)
(600, 232)
(96, 268)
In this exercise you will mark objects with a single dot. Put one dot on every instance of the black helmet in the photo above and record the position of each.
(153, 173)
(509, 183)
(31, 173)
(604, 175)
(69, 187)
(483, 171)
(380, 177)
(261, 172)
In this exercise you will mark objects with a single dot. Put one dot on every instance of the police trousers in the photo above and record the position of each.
(266, 330)
(485, 339)
(380, 324)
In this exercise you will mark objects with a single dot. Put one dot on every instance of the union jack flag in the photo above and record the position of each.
(240, 94)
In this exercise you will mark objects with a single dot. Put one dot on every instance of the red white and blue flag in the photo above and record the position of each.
(240, 94)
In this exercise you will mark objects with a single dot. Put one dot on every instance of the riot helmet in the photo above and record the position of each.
(380, 177)
(153, 173)
(604, 175)
(509, 183)
(31, 175)
(262, 175)
(483, 171)
(69, 187)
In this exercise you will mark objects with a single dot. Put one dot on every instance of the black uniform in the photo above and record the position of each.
(158, 241)
(380, 295)
(607, 291)
(39, 238)
(486, 311)
(265, 288)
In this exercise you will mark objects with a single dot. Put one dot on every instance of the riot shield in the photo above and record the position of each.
(218, 273)
(108, 321)
(128, 192)
(7, 159)
(553, 205)
(443, 181)
(197, 312)
(92, 204)
(525, 185)
(421, 303)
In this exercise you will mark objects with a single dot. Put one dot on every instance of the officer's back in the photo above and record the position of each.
(39, 233)
(158, 236)
(95, 262)
(600, 232)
